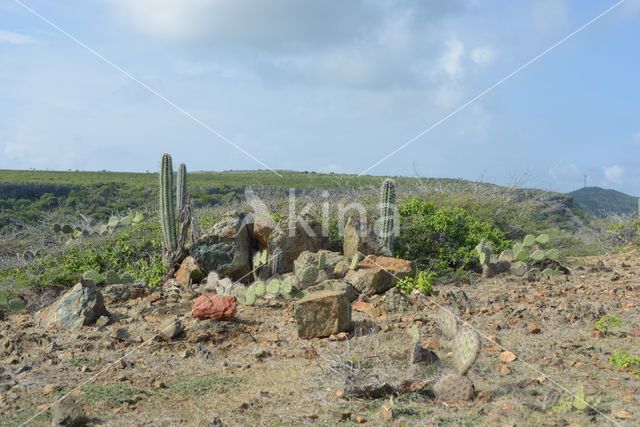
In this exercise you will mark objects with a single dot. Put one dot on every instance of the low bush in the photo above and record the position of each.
(423, 282)
(442, 239)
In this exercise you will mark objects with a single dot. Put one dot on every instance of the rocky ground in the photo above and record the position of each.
(539, 342)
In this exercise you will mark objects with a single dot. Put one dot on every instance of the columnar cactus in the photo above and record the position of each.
(168, 205)
(181, 188)
(387, 212)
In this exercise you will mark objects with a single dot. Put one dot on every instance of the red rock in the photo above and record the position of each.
(635, 332)
(362, 306)
(216, 307)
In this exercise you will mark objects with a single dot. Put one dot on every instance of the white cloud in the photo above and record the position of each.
(11, 37)
(549, 14)
(451, 62)
(483, 55)
(613, 173)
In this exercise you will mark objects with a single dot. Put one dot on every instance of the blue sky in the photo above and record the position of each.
(327, 86)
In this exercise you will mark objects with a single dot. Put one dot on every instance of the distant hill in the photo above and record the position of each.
(603, 202)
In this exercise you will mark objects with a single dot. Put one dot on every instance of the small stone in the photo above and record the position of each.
(533, 328)
(360, 419)
(454, 387)
(385, 413)
(342, 336)
(171, 328)
(261, 353)
(622, 414)
(507, 356)
(504, 369)
(67, 413)
(50, 388)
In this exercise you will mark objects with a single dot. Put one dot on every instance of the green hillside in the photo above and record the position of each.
(603, 202)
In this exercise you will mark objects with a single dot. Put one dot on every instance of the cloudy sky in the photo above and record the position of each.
(327, 86)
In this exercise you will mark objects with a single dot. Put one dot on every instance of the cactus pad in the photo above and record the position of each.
(447, 322)
(529, 240)
(273, 287)
(454, 387)
(466, 347)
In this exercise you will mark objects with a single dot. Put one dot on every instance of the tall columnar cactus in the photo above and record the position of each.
(181, 188)
(387, 212)
(168, 205)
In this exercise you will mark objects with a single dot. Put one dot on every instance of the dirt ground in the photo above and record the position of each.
(255, 371)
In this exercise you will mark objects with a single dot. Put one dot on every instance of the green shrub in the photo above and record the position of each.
(605, 323)
(423, 282)
(623, 360)
(442, 239)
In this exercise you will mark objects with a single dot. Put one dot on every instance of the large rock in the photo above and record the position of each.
(323, 313)
(80, 306)
(189, 272)
(336, 285)
(305, 235)
(215, 307)
(360, 238)
(314, 267)
(67, 413)
(377, 274)
(226, 248)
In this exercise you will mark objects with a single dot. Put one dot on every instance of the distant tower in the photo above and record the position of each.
(585, 181)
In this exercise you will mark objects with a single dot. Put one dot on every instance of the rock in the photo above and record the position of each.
(533, 328)
(306, 235)
(215, 307)
(359, 238)
(80, 306)
(386, 413)
(213, 281)
(507, 356)
(124, 292)
(395, 301)
(335, 285)
(454, 387)
(67, 413)
(371, 389)
(322, 314)
(226, 248)
(261, 353)
(50, 388)
(333, 259)
(306, 269)
(422, 355)
(377, 274)
(263, 228)
(171, 328)
(189, 272)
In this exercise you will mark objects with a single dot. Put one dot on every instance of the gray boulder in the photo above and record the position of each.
(80, 306)
(226, 248)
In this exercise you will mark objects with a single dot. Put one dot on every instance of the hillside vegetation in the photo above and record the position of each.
(604, 203)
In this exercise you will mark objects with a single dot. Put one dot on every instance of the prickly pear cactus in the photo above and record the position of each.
(466, 347)
(273, 286)
(454, 387)
(447, 322)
